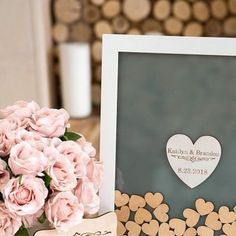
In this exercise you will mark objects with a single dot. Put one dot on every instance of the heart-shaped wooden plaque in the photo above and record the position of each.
(193, 163)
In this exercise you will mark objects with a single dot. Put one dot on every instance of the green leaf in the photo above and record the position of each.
(42, 218)
(47, 179)
(22, 232)
(63, 138)
(71, 136)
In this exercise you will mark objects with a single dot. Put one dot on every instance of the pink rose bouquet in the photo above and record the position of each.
(46, 172)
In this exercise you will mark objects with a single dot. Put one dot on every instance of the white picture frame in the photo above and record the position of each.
(112, 46)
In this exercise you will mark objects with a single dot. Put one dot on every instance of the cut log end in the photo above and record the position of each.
(67, 11)
(182, 10)
(102, 27)
(60, 32)
(201, 11)
(136, 10)
(162, 9)
(193, 29)
(173, 26)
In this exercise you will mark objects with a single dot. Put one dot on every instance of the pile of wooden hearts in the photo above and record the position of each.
(149, 215)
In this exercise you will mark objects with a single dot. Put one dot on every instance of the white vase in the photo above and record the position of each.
(75, 67)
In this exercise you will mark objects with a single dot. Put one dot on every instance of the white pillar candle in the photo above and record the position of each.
(76, 78)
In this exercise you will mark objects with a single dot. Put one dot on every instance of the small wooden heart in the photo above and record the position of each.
(230, 229)
(199, 159)
(161, 213)
(205, 231)
(136, 202)
(121, 199)
(142, 215)
(123, 214)
(151, 228)
(190, 232)
(154, 200)
(192, 217)
(203, 207)
(212, 221)
(120, 229)
(226, 216)
(133, 228)
(164, 230)
(178, 225)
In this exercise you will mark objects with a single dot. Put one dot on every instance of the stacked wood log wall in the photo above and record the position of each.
(87, 20)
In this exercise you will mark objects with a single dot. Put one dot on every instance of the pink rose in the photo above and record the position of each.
(17, 123)
(21, 109)
(62, 174)
(54, 142)
(12, 123)
(32, 220)
(9, 222)
(31, 137)
(64, 211)
(51, 154)
(4, 174)
(87, 147)
(35, 140)
(72, 151)
(25, 159)
(19, 114)
(49, 122)
(50, 150)
(95, 171)
(6, 139)
(25, 195)
(87, 195)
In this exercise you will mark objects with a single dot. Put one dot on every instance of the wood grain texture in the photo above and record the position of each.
(60, 32)
(134, 31)
(120, 24)
(81, 32)
(88, 20)
(98, 72)
(232, 6)
(213, 28)
(96, 91)
(182, 10)
(97, 50)
(136, 10)
(151, 26)
(91, 13)
(193, 29)
(111, 8)
(201, 11)
(98, 2)
(151, 228)
(219, 9)
(136, 213)
(162, 9)
(173, 26)
(67, 11)
(230, 26)
(102, 27)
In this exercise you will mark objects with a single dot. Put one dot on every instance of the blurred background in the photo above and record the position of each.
(50, 50)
